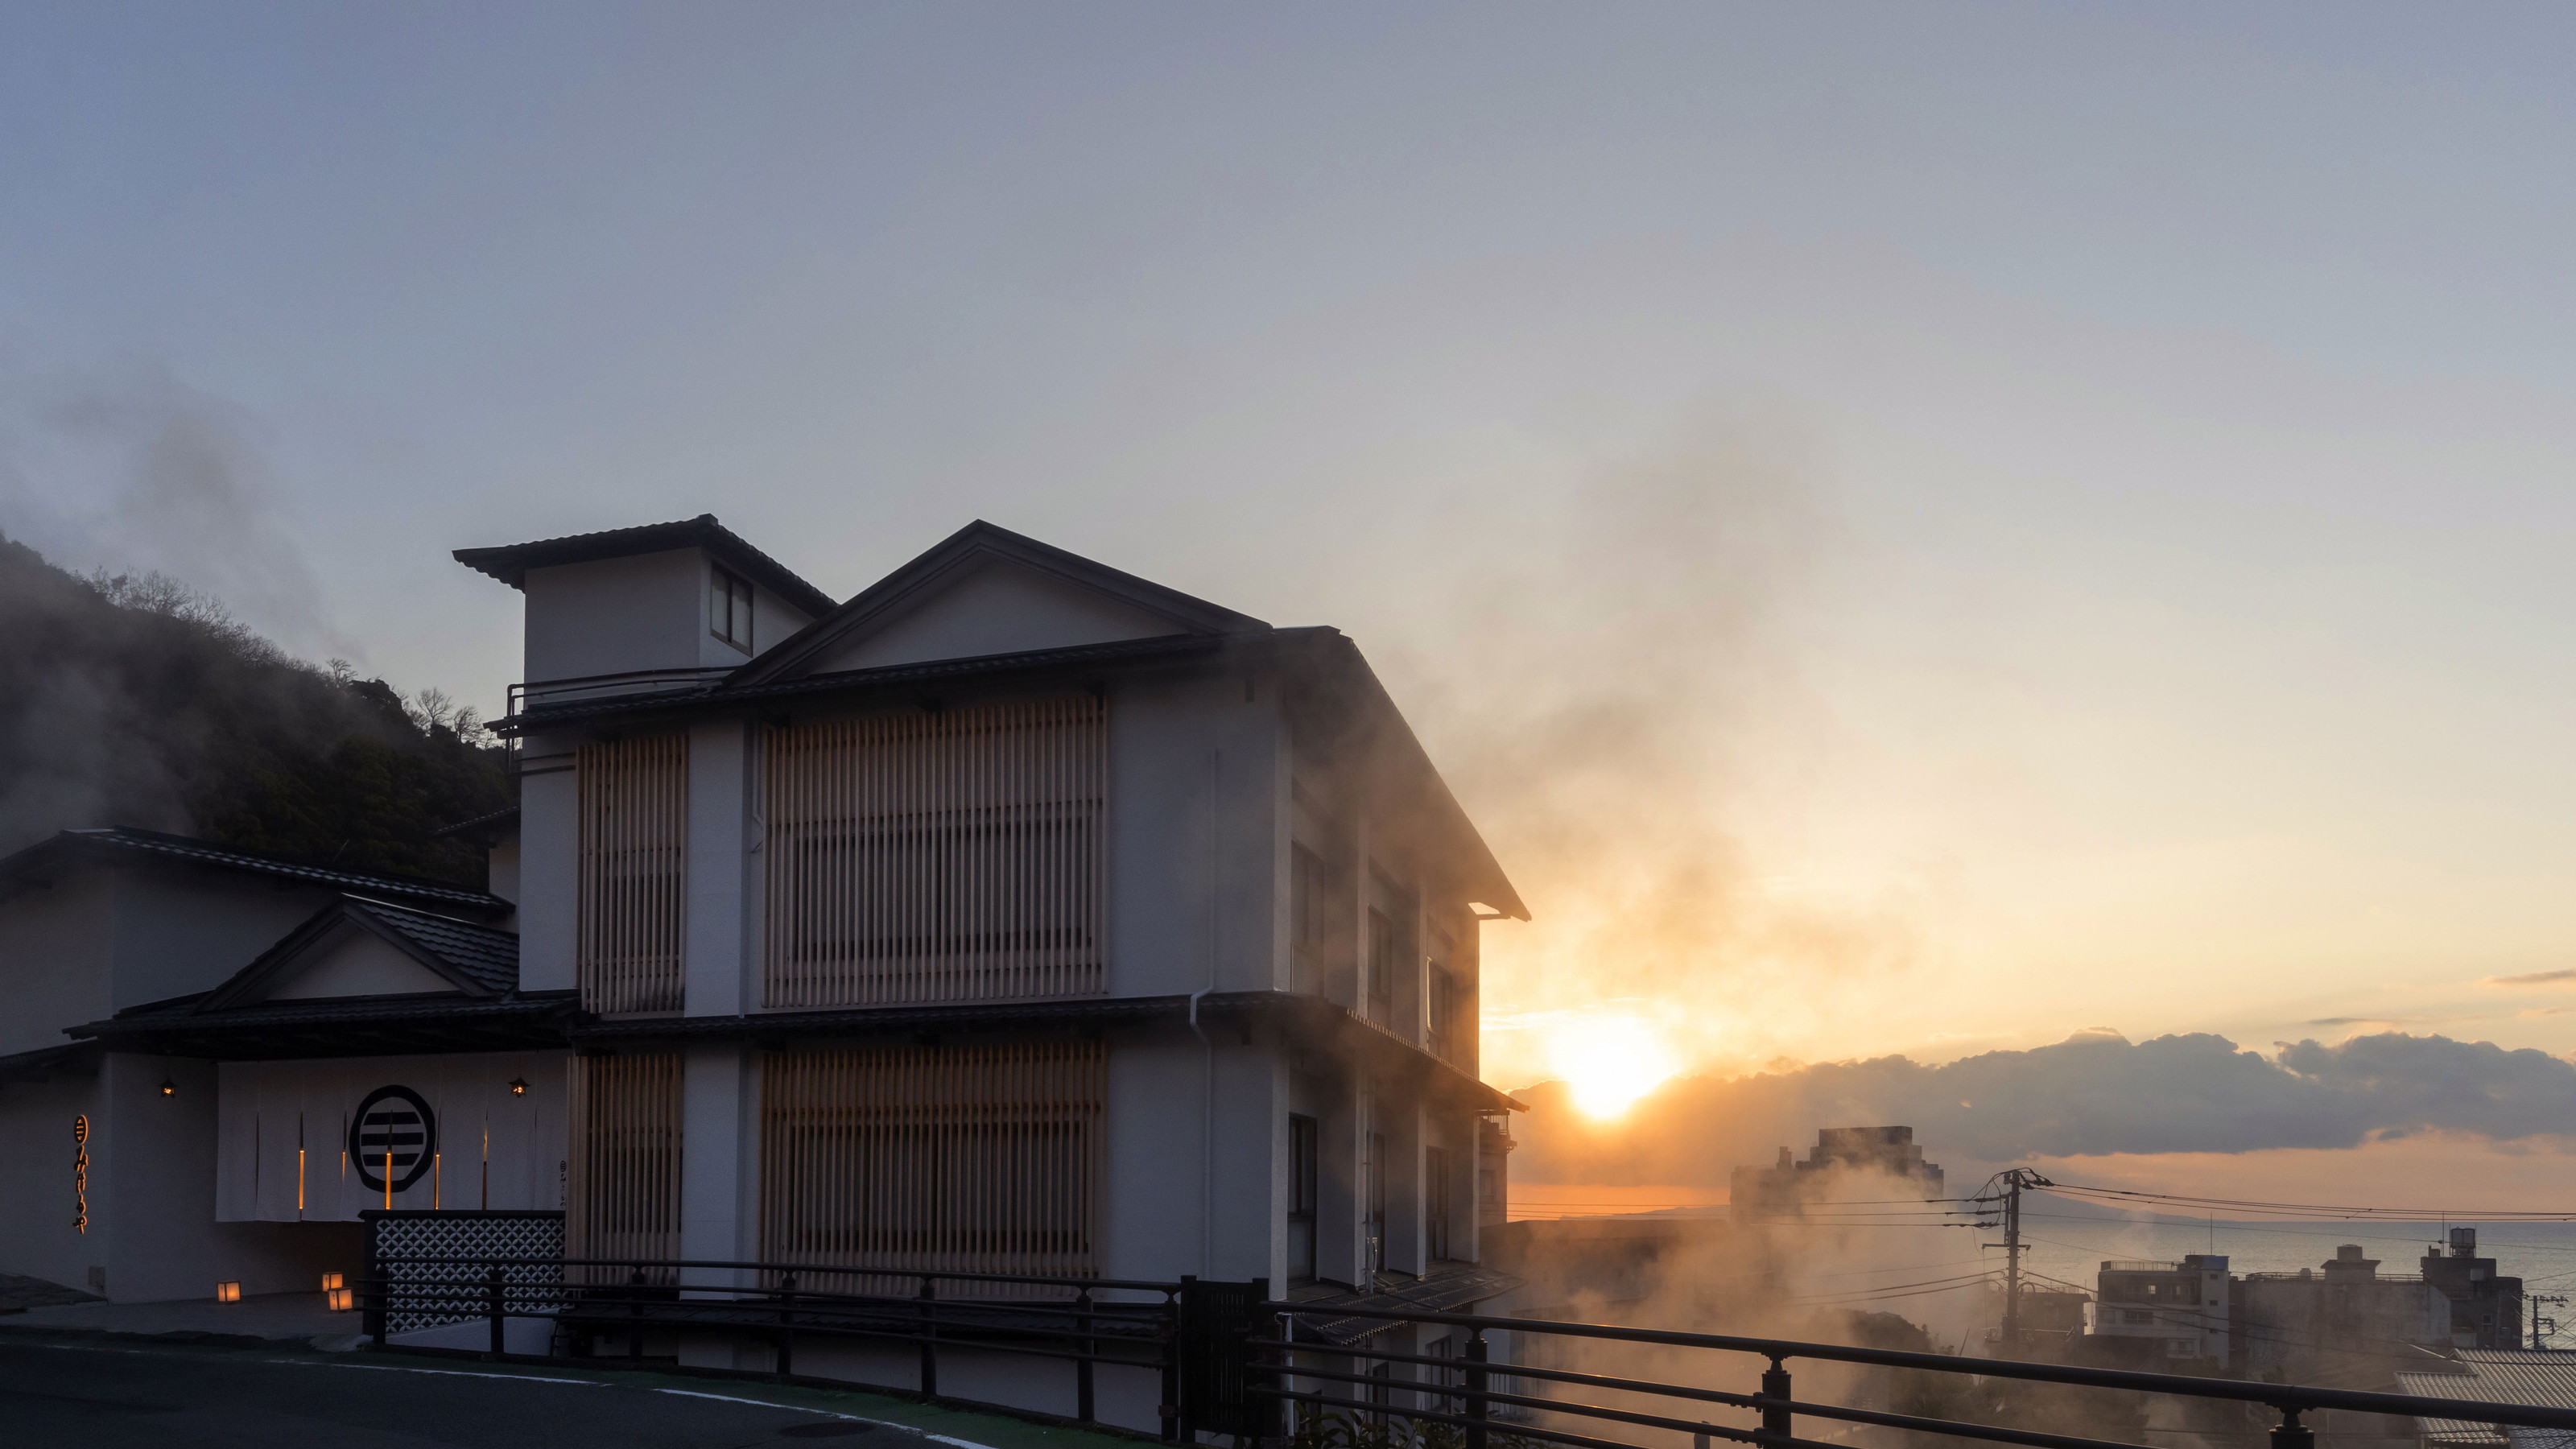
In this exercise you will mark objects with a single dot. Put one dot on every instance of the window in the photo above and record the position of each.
(983, 1159)
(1302, 1197)
(1309, 891)
(624, 1166)
(1385, 953)
(1435, 1200)
(729, 610)
(1440, 1007)
(953, 855)
(1446, 1349)
(634, 807)
(1376, 1199)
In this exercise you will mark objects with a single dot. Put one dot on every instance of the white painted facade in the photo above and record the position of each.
(1217, 767)
(1287, 940)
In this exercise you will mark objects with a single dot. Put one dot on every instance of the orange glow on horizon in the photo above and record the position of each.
(1610, 1062)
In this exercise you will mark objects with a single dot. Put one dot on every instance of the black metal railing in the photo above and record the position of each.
(607, 1303)
(1228, 1359)
(1463, 1394)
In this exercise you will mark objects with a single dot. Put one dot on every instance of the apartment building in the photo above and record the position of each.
(1014, 915)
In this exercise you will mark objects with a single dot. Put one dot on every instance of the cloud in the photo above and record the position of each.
(2091, 1094)
(2536, 978)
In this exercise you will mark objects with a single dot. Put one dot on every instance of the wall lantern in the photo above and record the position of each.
(518, 1086)
(330, 1281)
(169, 1088)
(228, 1293)
(338, 1300)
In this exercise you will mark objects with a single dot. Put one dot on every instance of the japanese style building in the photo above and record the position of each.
(1015, 915)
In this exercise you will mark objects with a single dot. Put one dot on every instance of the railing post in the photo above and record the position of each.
(1088, 1346)
(492, 1308)
(1171, 1406)
(2290, 1433)
(635, 1313)
(787, 1326)
(1775, 1387)
(929, 1339)
(1477, 1408)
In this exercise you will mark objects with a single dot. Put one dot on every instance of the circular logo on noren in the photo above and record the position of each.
(393, 1133)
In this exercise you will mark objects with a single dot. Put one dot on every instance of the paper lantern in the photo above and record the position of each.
(228, 1293)
(330, 1281)
(338, 1300)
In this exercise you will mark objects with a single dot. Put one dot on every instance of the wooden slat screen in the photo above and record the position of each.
(624, 1193)
(981, 1159)
(949, 856)
(634, 835)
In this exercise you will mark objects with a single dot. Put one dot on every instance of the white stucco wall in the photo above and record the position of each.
(549, 864)
(716, 976)
(179, 931)
(650, 611)
(37, 1194)
(1000, 608)
(358, 963)
(612, 616)
(55, 946)
(1194, 836)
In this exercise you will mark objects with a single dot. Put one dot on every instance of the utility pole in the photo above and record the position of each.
(2542, 1327)
(2006, 1187)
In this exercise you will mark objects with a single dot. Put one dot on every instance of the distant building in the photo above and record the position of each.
(2184, 1308)
(2486, 1311)
(2314, 1324)
(1841, 1155)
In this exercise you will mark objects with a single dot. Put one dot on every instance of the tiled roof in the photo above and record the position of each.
(348, 1026)
(152, 844)
(510, 562)
(477, 823)
(487, 956)
(2539, 1378)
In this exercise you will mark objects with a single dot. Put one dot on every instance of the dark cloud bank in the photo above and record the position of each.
(2093, 1093)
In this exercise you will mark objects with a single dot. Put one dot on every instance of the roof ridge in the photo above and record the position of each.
(135, 834)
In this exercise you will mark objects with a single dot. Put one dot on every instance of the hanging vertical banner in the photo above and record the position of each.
(80, 1173)
(390, 1121)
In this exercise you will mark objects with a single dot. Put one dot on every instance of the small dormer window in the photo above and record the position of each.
(729, 610)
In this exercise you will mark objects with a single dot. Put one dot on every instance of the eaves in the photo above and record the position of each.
(1036, 663)
(1305, 1016)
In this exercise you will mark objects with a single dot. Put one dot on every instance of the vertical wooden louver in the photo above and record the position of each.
(980, 1159)
(624, 1192)
(634, 835)
(949, 856)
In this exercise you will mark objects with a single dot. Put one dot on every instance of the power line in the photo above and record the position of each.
(2327, 1210)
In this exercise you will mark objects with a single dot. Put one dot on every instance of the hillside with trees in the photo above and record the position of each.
(129, 700)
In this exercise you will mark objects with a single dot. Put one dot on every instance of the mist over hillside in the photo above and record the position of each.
(133, 701)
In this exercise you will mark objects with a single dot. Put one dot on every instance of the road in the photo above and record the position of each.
(102, 1395)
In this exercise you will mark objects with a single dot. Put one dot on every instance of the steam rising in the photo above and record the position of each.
(1617, 687)
(142, 475)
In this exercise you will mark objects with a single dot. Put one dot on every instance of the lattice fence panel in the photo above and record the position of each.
(980, 1159)
(936, 856)
(634, 803)
(430, 1295)
(625, 1172)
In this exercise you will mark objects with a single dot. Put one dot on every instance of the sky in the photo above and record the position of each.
(1915, 529)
